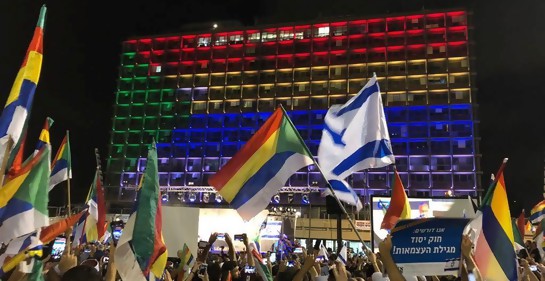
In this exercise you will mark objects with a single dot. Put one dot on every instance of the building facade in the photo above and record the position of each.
(202, 95)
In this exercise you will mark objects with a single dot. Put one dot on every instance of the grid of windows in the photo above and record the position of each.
(202, 97)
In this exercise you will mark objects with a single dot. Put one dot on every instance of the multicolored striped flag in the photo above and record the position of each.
(95, 224)
(261, 168)
(79, 231)
(399, 207)
(24, 199)
(521, 223)
(495, 248)
(539, 238)
(13, 119)
(29, 245)
(538, 212)
(186, 260)
(261, 268)
(44, 139)
(519, 241)
(141, 252)
(61, 168)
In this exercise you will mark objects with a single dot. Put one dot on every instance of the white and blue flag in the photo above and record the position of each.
(355, 137)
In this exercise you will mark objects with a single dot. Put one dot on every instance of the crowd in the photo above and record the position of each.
(95, 262)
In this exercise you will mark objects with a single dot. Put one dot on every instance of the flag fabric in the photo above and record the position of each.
(79, 231)
(263, 165)
(528, 227)
(344, 192)
(24, 199)
(37, 271)
(343, 255)
(261, 268)
(539, 238)
(399, 207)
(95, 223)
(323, 252)
(30, 245)
(494, 251)
(521, 223)
(61, 168)
(186, 260)
(538, 212)
(43, 140)
(141, 252)
(13, 118)
(518, 238)
(355, 135)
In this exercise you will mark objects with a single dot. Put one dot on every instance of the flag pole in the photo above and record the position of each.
(343, 209)
(69, 172)
(9, 146)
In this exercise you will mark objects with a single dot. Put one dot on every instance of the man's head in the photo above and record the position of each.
(81, 273)
(232, 267)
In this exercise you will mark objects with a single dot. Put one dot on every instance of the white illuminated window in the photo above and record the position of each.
(203, 42)
(254, 37)
(323, 31)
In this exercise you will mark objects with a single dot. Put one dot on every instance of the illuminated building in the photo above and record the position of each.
(202, 95)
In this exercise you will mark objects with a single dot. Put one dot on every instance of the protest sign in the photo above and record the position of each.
(430, 246)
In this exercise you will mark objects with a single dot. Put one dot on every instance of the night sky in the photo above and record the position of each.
(83, 45)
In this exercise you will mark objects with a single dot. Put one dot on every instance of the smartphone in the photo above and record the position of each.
(58, 248)
(202, 269)
(249, 269)
(272, 257)
(319, 259)
(291, 263)
(117, 230)
(533, 267)
(202, 244)
(239, 237)
(265, 261)
(298, 250)
(221, 236)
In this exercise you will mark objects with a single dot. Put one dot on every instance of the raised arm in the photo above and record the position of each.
(229, 242)
(467, 257)
(308, 265)
(391, 268)
(249, 257)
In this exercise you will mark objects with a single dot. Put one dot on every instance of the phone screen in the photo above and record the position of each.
(249, 269)
(298, 250)
(203, 268)
(533, 267)
(117, 233)
(117, 230)
(58, 248)
(272, 258)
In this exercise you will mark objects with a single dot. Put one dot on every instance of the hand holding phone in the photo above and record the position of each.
(117, 230)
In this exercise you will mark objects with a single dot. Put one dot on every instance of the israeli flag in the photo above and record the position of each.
(344, 192)
(355, 137)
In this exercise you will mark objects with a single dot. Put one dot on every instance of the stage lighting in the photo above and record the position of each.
(192, 197)
(218, 198)
(290, 198)
(276, 198)
(206, 197)
(181, 197)
(164, 197)
(305, 199)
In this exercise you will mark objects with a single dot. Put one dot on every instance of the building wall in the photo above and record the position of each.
(203, 95)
